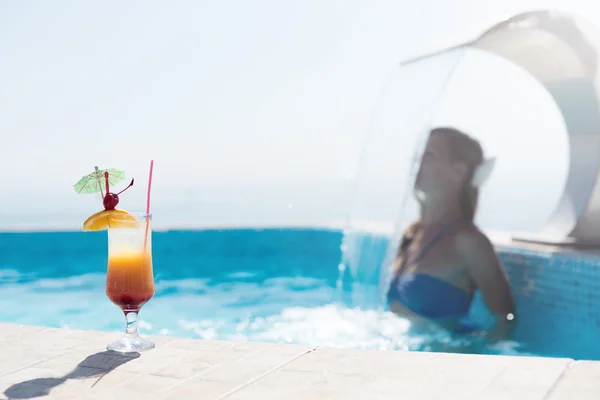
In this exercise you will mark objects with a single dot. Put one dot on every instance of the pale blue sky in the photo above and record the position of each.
(253, 110)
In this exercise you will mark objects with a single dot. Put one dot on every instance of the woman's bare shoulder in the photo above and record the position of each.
(469, 238)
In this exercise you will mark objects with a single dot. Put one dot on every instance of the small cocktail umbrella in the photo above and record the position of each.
(94, 182)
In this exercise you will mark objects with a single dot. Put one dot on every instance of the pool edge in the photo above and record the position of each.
(183, 368)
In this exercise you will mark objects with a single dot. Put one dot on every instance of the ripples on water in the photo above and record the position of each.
(234, 307)
(275, 285)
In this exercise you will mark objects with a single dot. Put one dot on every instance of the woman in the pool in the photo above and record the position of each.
(443, 257)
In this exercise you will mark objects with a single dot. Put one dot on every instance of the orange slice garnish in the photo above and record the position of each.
(110, 218)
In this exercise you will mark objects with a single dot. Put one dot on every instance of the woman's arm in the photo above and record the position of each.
(486, 271)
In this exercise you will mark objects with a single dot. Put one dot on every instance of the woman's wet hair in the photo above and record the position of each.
(464, 149)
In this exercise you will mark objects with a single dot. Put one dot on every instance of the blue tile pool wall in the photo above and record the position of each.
(558, 301)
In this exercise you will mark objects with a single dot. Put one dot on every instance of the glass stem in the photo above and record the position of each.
(131, 318)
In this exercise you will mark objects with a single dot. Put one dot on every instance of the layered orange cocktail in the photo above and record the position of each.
(129, 278)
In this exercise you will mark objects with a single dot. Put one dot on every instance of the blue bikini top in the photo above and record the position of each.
(427, 295)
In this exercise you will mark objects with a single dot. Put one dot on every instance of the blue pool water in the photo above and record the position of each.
(259, 285)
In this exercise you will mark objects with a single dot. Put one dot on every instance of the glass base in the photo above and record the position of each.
(130, 344)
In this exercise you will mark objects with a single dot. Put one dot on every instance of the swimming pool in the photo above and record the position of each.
(276, 285)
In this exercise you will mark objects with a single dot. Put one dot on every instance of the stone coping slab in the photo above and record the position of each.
(48, 363)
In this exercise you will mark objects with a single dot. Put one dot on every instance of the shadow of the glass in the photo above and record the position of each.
(98, 364)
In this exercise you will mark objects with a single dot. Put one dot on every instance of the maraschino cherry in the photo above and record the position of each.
(111, 200)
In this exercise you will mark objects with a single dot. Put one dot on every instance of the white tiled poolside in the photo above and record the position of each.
(38, 362)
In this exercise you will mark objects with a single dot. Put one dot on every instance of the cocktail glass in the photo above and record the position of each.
(130, 279)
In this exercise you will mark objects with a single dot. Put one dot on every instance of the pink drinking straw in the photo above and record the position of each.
(148, 203)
